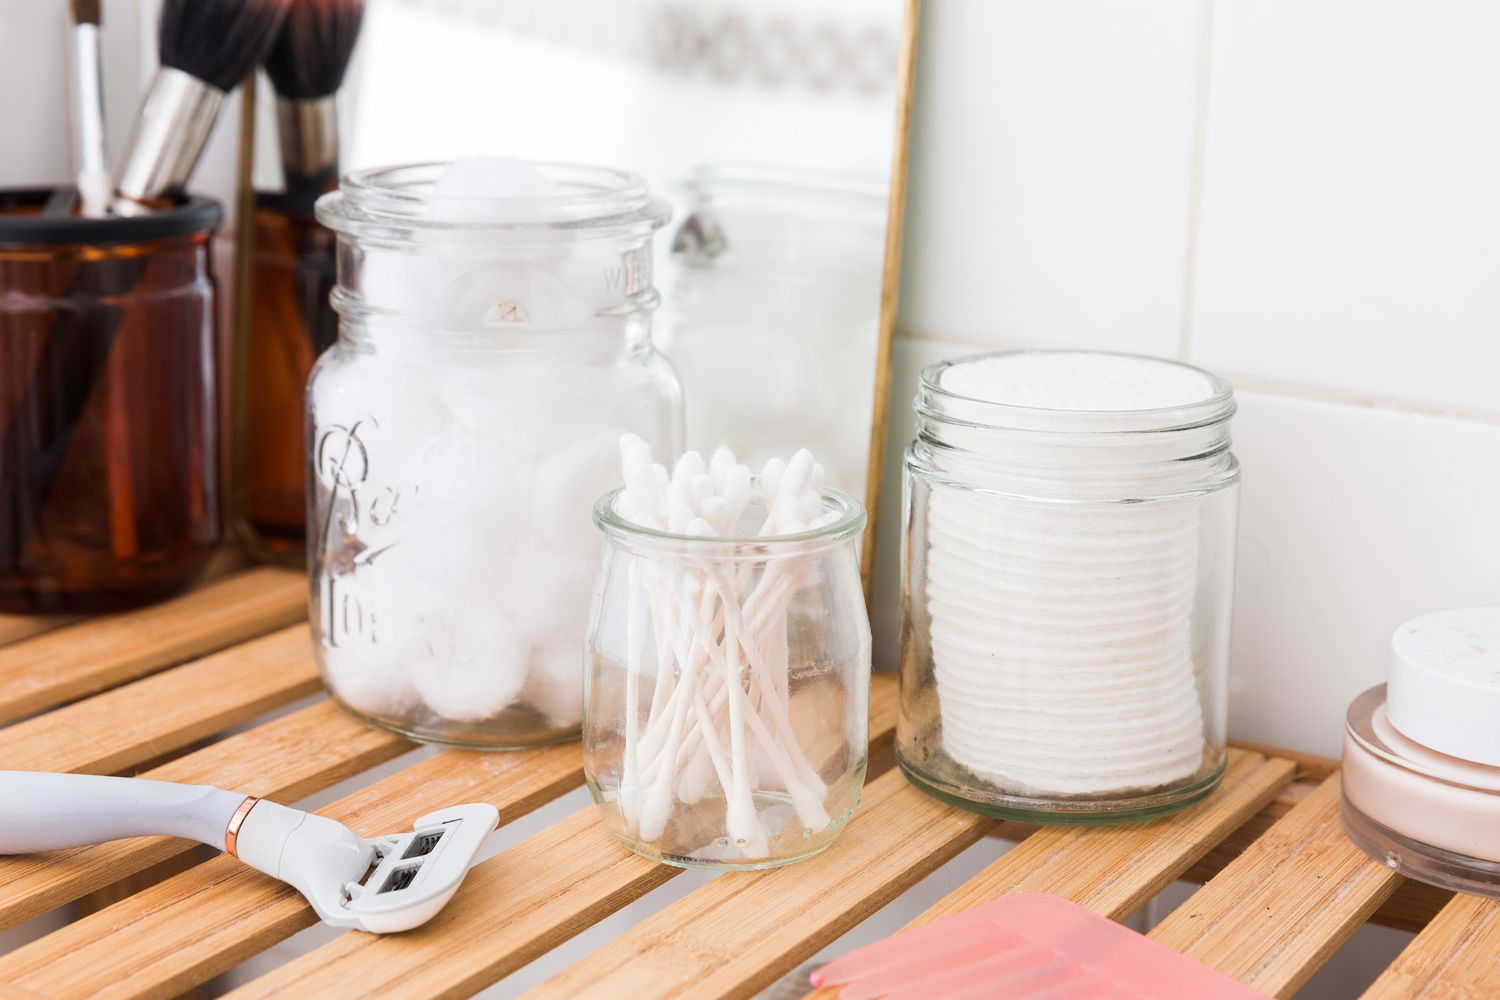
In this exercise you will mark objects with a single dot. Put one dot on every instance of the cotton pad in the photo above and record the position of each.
(1061, 633)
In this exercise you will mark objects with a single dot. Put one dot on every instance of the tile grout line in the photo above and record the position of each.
(1359, 400)
(1195, 189)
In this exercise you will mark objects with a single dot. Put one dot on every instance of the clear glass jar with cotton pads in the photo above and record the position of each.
(494, 344)
(1068, 567)
(1421, 769)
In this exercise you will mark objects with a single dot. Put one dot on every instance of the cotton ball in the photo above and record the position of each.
(490, 189)
(554, 682)
(382, 429)
(472, 671)
(368, 678)
(567, 484)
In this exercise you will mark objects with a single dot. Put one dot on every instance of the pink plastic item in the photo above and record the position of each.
(1024, 946)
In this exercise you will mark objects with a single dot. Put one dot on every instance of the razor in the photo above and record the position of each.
(383, 885)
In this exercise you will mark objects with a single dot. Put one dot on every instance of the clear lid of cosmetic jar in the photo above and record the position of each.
(1445, 683)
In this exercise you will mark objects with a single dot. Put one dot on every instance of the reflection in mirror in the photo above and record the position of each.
(769, 125)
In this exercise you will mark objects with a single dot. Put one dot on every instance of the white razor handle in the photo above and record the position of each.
(392, 883)
(43, 811)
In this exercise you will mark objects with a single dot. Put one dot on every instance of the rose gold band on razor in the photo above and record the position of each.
(232, 831)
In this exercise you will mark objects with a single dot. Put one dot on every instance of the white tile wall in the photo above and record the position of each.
(1350, 231)
(1352, 520)
(1051, 155)
(1334, 250)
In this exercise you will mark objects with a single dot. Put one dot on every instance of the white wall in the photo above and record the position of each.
(1300, 195)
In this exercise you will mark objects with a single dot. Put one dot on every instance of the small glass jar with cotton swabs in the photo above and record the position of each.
(1068, 566)
(728, 668)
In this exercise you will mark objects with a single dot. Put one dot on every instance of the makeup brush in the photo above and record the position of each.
(88, 110)
(306, 66)
(207, 47)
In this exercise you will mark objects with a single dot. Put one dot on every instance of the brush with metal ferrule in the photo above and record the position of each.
(207, 47)
(306, 66)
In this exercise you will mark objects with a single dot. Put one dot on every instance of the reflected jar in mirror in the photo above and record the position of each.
(491, 353)
(1068, 566)
(109, 480)
(727, 699)
(772, 314)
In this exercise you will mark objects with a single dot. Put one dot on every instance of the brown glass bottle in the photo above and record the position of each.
(290, 323)
(108, 453)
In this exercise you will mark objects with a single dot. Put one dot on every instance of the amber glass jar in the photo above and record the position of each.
(291, 323)
(108, 456)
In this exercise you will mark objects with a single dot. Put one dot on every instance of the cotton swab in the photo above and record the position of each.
(721, 699)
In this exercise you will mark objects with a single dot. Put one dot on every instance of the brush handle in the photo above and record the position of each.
(43, 811)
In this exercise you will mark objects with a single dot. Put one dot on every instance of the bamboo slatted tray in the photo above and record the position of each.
(148, 692)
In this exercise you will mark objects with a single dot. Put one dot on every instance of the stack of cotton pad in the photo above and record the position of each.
(1061, 632)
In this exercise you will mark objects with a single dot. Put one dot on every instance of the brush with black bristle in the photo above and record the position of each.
(306, 66)
(207, 47)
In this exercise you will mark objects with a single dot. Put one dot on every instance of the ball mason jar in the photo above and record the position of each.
(727, 700)
(491, 353)
(1067, 583)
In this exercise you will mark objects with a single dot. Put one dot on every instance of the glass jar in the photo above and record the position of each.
(773, 314)
(109, 476)
(491, 353)
(762, 770)
(1067, 577)
(292, 322)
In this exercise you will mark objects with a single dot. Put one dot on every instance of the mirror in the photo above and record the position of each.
(768, 126)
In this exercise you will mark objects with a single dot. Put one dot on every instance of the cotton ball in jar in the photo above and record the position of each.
(491, 189)
(369, 680)
(469, 668)
(568, 483)
(554, 682)
(382, 431)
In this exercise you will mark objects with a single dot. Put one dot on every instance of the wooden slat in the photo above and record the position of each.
(90, 656)
(515, 907)
(181, 932)
(1115, 870)
(1456, 957)
(523, 903)
(736, 934)
(1276, 913)
(14, 628)
(283, 760)
(122, 728)
(1410, 908)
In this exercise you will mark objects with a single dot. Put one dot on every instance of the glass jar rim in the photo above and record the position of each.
(849, 523)
(984, 414)
(601, 201)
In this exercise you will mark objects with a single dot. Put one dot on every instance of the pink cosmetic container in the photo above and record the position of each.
(1422, 754)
